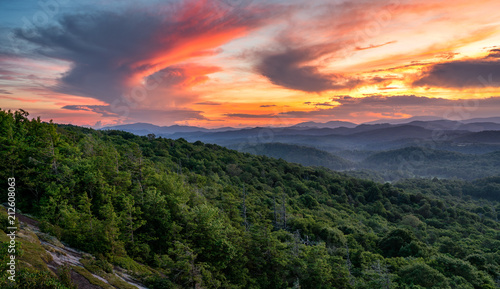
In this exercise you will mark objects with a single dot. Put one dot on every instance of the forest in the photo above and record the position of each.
(200, 215)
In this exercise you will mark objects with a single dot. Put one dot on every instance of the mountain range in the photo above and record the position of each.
(415, 147)
(337, 127)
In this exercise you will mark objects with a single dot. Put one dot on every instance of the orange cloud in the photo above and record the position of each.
(112, 53)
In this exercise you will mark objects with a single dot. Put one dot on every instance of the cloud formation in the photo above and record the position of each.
(300, 62)
(247, 115)
(113, 52)
(144, 115)
(208, 103)
(474, 73)
(381, 106)
(494, 53)
(372, 46)
(289, 69)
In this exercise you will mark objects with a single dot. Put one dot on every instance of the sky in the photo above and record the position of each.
(239, 63)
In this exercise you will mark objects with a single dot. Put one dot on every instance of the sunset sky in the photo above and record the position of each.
(249, 62)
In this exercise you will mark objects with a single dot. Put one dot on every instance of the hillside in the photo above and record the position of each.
(417, 154)
(485, 188)
(474, 137)
(47, 263)
(389, 165)
(306, 156)
(488, 137)
(203, 216)
(427, 162)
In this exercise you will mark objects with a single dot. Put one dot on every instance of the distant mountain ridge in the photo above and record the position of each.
(337, 127)
(381, 150)
(330, 124)
(467, 136)
(433, 118)
(147, 128)
(405, 120)
(307, 156)
(485, 119)
(427, 162)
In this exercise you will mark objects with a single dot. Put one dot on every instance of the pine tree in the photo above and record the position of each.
(130, 217)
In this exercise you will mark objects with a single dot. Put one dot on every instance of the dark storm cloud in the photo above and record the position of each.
(384, 105)
(494, 53)
(101, 109)
(288, 69)
(396, 100)
(484, 72)
(112, 51)
(297, 59)
(144, 115)
(102, 47)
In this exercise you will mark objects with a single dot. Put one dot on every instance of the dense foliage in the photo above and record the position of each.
(485, 188)
(206, 216)
(306, 156)
(392, 165)
(426, 162)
